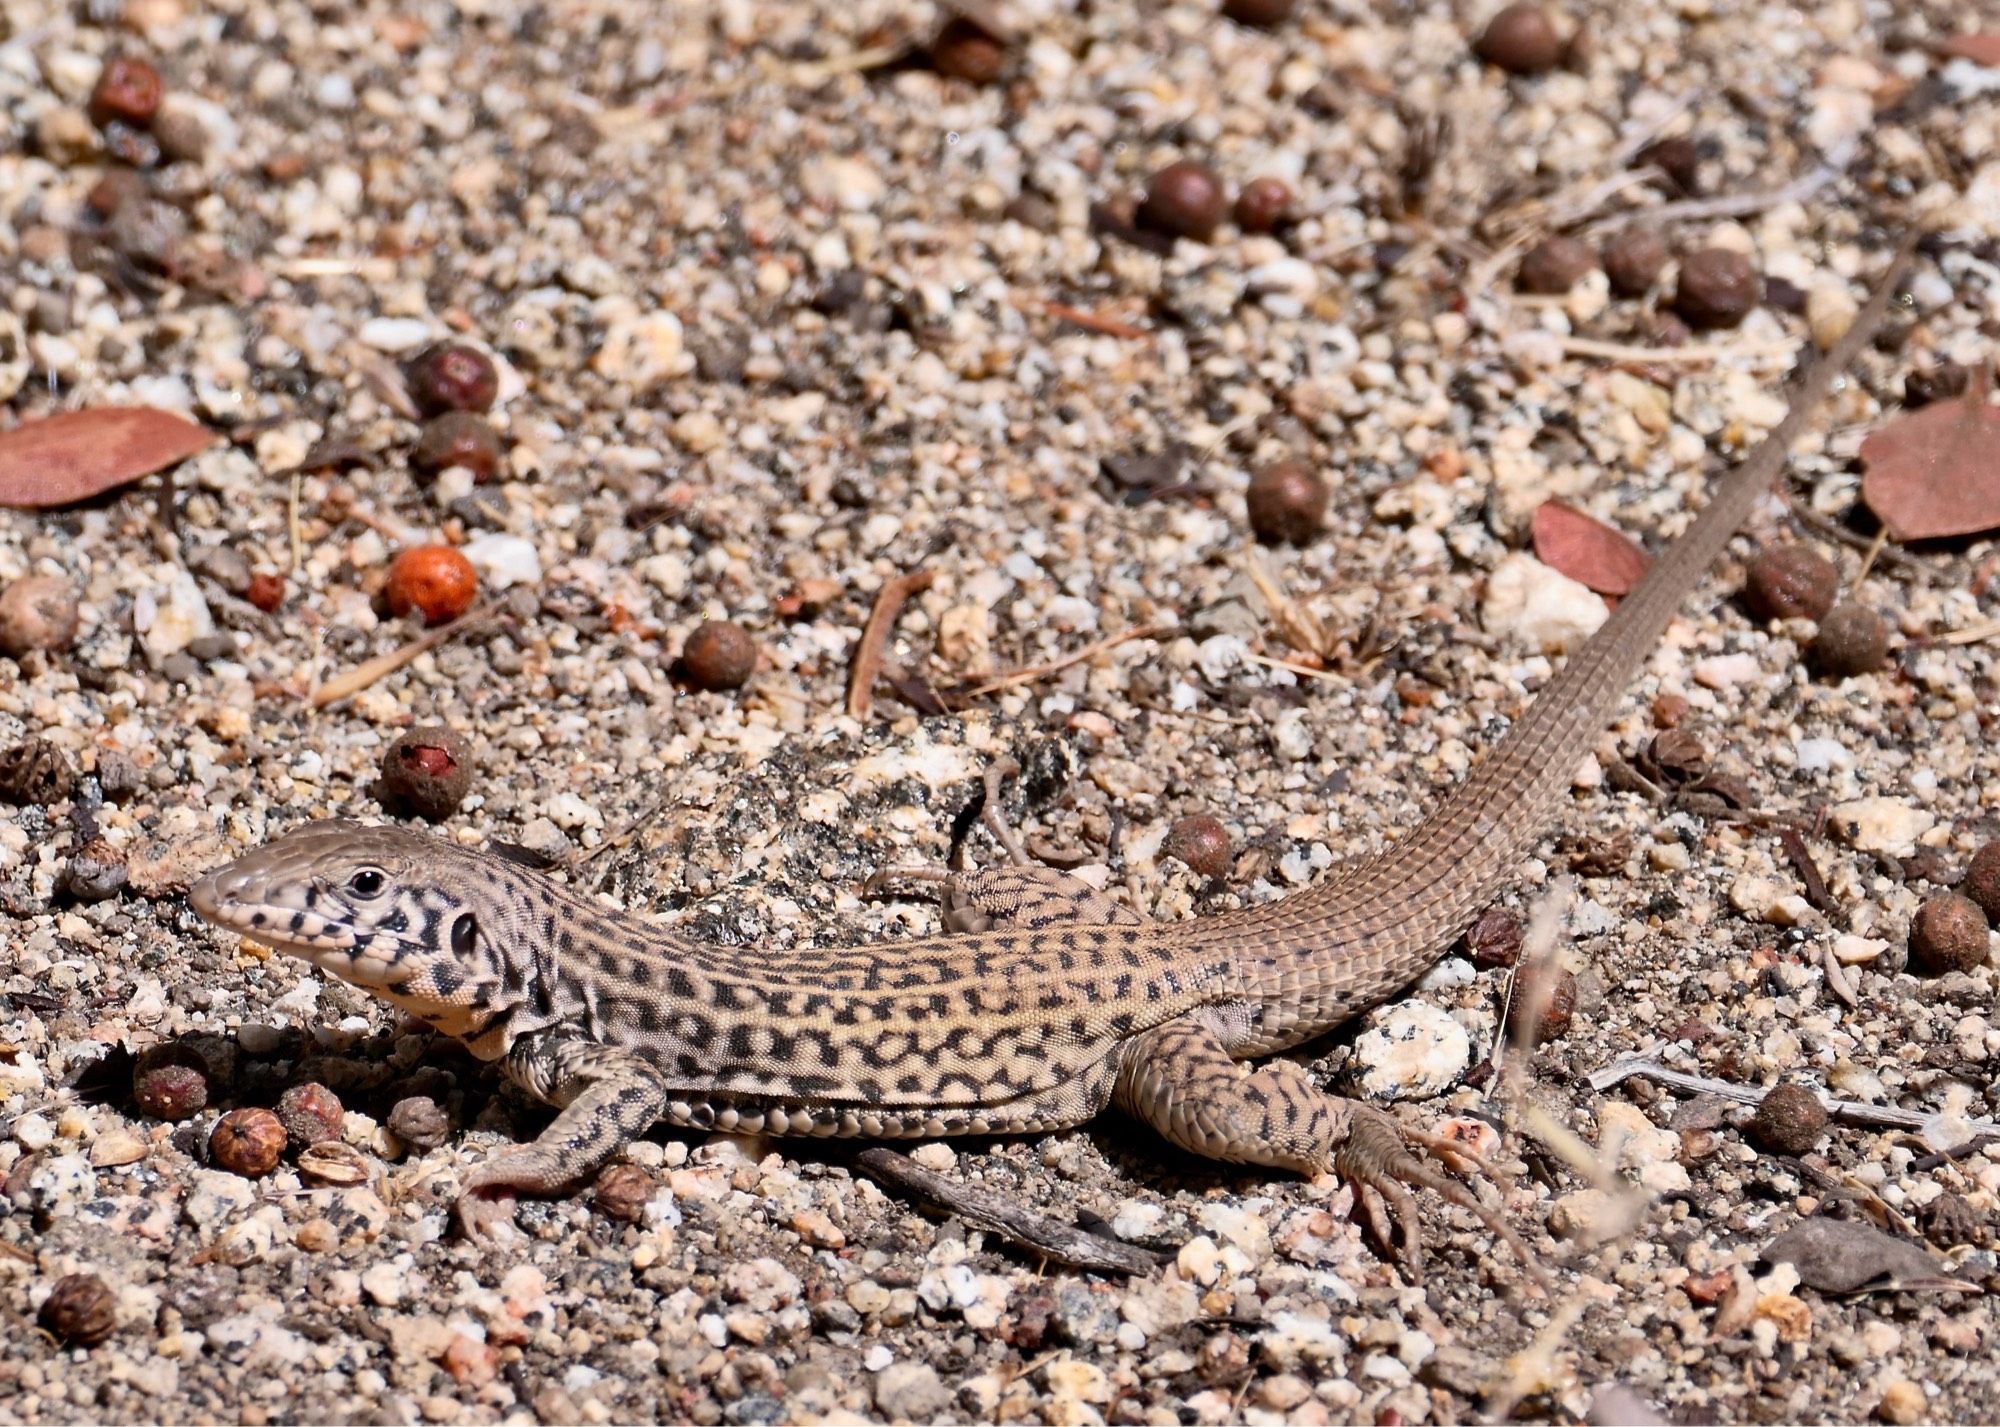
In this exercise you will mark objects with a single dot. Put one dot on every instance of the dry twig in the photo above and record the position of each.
(1030, 673)
(346, 686)
(889, 602)
(1052, 1240)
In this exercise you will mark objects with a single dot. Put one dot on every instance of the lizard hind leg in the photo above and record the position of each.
(608, 1096)
(1181, 1080)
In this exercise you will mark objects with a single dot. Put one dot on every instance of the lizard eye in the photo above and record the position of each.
(464, 932)
(368, 882)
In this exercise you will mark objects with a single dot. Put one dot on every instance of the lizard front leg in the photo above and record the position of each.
(1180, 1079)
(609, 1097)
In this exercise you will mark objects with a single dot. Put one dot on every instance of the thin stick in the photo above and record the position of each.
(1060, 1242)
(1874, 552)
(1738, 205)
(1092, 322)
(346, 686)
(1971, 634)
(1690, 355)
(1302, 670)
(1853, 1112)
(1029, 673)
(889, 602)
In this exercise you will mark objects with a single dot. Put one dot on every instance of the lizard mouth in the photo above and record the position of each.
(224, 899)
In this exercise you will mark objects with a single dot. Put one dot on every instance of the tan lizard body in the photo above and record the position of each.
(1071, 1005)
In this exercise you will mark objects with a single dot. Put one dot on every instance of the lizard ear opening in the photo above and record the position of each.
(464, 935)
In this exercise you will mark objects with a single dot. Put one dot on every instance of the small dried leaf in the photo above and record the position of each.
(1588, 551)
(1843, 1256)
(1932, 473)
(60, 460)
(1979, 46)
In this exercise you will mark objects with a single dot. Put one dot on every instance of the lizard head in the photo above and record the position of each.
(378, 907)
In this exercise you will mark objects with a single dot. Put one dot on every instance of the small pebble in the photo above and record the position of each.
(1982, 880)
(1633, 260)
(965, 49)
(170, 1082)
(1495, 939)
(38, 612)
(1790, 582)
(623, 1191)
(1555, 265)
(1789, 1120)
(1717, 288)
(1852, 639)
(1287, 502)
(1548, 992)
(458, 438)
(718, 656)
(1520, 39)
(128, 91)
(434, 580)
(1259, 14)
(1948, 934)
(266, 591)
(81, 1310)
(1185, 199)
(1677, 157)
(451, 376)
(35, 773)
(1200, 841)
(419, 1122)
(427, 771)
(1263, 205)
(248, 1142)
(310, 1113)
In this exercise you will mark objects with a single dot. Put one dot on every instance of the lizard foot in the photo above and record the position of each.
(1376, 1160)
(485, 1208)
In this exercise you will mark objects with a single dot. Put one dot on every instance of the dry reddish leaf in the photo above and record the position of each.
(1588, 551)
(1933, 472)
(60, 460)
(1979, 46)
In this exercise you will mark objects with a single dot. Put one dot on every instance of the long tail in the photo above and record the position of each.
(1375, 924)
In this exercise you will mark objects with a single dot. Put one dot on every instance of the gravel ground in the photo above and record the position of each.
(781, 312)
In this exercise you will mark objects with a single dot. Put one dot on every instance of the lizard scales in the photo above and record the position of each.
(1070, 1004)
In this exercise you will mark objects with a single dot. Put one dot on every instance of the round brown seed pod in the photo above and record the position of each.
(1550, 987)
(170, 1081)
(969, 51)
(1200, 841)
(128, 91)
(266, 591)
(1788, 1120)
(1287, 502)
(1555, 265)
(95, 872)
(1186, 199)
(35, 773)
(419, 1122)
(1259, 14)
(1495, 939)
(81, 1310)
(1948, 934)
(718, 656)
(248, 1142)
(1790, 582)
(435, 580)
(458, 438)
(623, 1191)
(311, 1115)
(1633, 260)
(451, 376)
(1982, 880)
(1852, 639)
(1520, 39)
(427, 771)
(38, 612)
(1678, 157)
(1263, 205)
(1717, 288)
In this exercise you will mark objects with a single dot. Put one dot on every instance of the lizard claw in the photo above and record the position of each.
(1375, 1159)
(485, 1211)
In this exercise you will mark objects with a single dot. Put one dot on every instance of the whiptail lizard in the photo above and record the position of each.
(1070, 1004)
